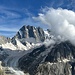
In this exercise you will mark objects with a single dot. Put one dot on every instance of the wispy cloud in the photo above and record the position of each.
(6, 13)
(13, 20)
(14, 15)
(8, 29)
(10, 21)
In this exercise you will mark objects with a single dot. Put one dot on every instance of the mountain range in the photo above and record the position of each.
(35, 51)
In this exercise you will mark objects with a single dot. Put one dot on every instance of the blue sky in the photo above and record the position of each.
(16, 13)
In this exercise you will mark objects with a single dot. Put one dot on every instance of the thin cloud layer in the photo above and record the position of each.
(61, 21)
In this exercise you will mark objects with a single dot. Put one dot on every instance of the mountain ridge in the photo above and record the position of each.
(30, 33)
(38, 52)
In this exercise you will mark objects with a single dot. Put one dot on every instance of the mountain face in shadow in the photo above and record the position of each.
(58, 60)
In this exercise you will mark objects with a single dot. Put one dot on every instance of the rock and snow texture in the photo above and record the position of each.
(28, 32)
(20, 46)
(50, 57)
(54, 69)
(60, 55)
(8, 46)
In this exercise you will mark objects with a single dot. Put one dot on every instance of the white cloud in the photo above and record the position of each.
(61, 21)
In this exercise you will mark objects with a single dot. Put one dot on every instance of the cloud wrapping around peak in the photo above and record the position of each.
(61, 21)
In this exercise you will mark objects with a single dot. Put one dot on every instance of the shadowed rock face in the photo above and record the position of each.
(30, 62)
(42, 55)
(30, 32)
(64, 50)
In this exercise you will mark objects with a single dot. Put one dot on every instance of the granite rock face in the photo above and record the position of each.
(27, 32)
(54, 69)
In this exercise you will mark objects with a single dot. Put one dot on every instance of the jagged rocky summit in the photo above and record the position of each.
(30, 33)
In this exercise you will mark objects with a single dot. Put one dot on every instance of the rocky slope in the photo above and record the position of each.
(59, 68)
(60, 56)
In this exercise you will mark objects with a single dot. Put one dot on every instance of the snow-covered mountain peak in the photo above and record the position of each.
(32, 46)
(30, 32)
